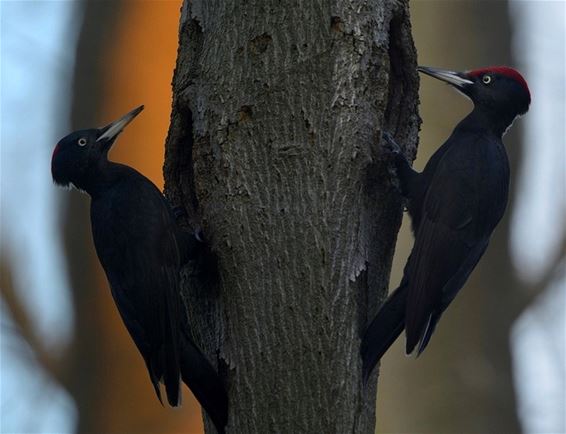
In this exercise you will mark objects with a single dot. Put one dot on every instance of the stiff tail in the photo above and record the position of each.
(428, 332)
(172, 368)
(199, 375)
(164, 368)
(383, 330)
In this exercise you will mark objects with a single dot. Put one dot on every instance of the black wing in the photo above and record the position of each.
(137, 241)
(464, 202)
(134, 238)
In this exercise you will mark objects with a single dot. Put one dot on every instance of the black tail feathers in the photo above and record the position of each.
(172, 383)
(199, 375)
(171, 368)
(167, 372)
(383, 330)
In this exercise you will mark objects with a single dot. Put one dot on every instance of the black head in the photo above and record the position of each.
(78, 155)
(498, 89)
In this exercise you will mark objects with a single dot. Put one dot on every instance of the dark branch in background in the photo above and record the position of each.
(96, 36)
(23, 325)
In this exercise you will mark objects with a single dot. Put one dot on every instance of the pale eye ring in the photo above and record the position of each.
(82, 141)
(486, 79)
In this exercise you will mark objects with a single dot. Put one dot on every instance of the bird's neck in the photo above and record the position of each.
(490, 120)
(100, 177)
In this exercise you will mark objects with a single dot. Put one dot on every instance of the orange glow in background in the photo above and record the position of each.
(140, 70)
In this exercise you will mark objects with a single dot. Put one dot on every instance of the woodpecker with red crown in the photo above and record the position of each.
(454, 204)
(141, 249)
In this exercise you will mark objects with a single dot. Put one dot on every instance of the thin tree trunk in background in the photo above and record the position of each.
(107, 376)
(87, 375)
(274, 150)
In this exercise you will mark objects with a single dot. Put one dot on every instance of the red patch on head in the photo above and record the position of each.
(505, 71)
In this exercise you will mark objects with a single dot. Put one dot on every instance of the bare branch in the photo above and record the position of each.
(23, 324)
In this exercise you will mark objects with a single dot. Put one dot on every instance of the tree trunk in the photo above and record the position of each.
(273, 149)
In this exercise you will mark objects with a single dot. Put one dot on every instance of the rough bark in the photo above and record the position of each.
(273, 149)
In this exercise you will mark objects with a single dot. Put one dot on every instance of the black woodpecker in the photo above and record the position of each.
(454, 204)
(140, 248)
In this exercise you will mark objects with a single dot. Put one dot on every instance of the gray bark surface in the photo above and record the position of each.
(274, 151)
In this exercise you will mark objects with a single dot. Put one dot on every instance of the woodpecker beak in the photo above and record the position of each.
(456, 79)
(111, 131)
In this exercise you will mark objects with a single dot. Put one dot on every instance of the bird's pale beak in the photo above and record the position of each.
(111, 131)
(457, 79)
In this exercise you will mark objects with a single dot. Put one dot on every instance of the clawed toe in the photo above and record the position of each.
(390, 144)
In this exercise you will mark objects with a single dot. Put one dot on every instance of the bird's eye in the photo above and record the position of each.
(82, 141)
(486, 79)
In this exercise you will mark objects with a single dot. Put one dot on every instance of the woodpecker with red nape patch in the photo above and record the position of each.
(141, 249)
(454, 204)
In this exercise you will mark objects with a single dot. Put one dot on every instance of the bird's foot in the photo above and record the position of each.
(199, 235)
(179, 212)
(394, 157)
(390, 146)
